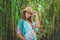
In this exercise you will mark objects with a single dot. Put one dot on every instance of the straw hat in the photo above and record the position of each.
(28, 9)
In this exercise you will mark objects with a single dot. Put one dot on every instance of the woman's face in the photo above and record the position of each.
(28, 15)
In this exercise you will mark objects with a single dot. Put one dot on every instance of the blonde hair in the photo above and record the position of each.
(27, 9)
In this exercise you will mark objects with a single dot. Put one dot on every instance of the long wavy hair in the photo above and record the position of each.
(29, 19)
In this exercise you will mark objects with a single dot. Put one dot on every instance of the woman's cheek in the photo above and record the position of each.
(28, 16)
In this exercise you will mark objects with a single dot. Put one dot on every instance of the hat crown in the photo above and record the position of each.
(29, 9)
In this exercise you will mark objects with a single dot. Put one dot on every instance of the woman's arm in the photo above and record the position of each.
(36, 19)
(21, 36)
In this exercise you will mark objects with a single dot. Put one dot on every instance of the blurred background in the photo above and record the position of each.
(48, 14)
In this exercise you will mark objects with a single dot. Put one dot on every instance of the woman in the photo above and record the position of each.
(26, 31)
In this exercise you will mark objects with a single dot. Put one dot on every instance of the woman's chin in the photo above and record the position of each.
(27, 18)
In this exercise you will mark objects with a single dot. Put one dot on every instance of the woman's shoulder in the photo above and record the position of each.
(21, 20)
(34, 22)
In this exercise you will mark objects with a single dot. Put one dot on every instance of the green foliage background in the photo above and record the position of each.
(48, 14)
